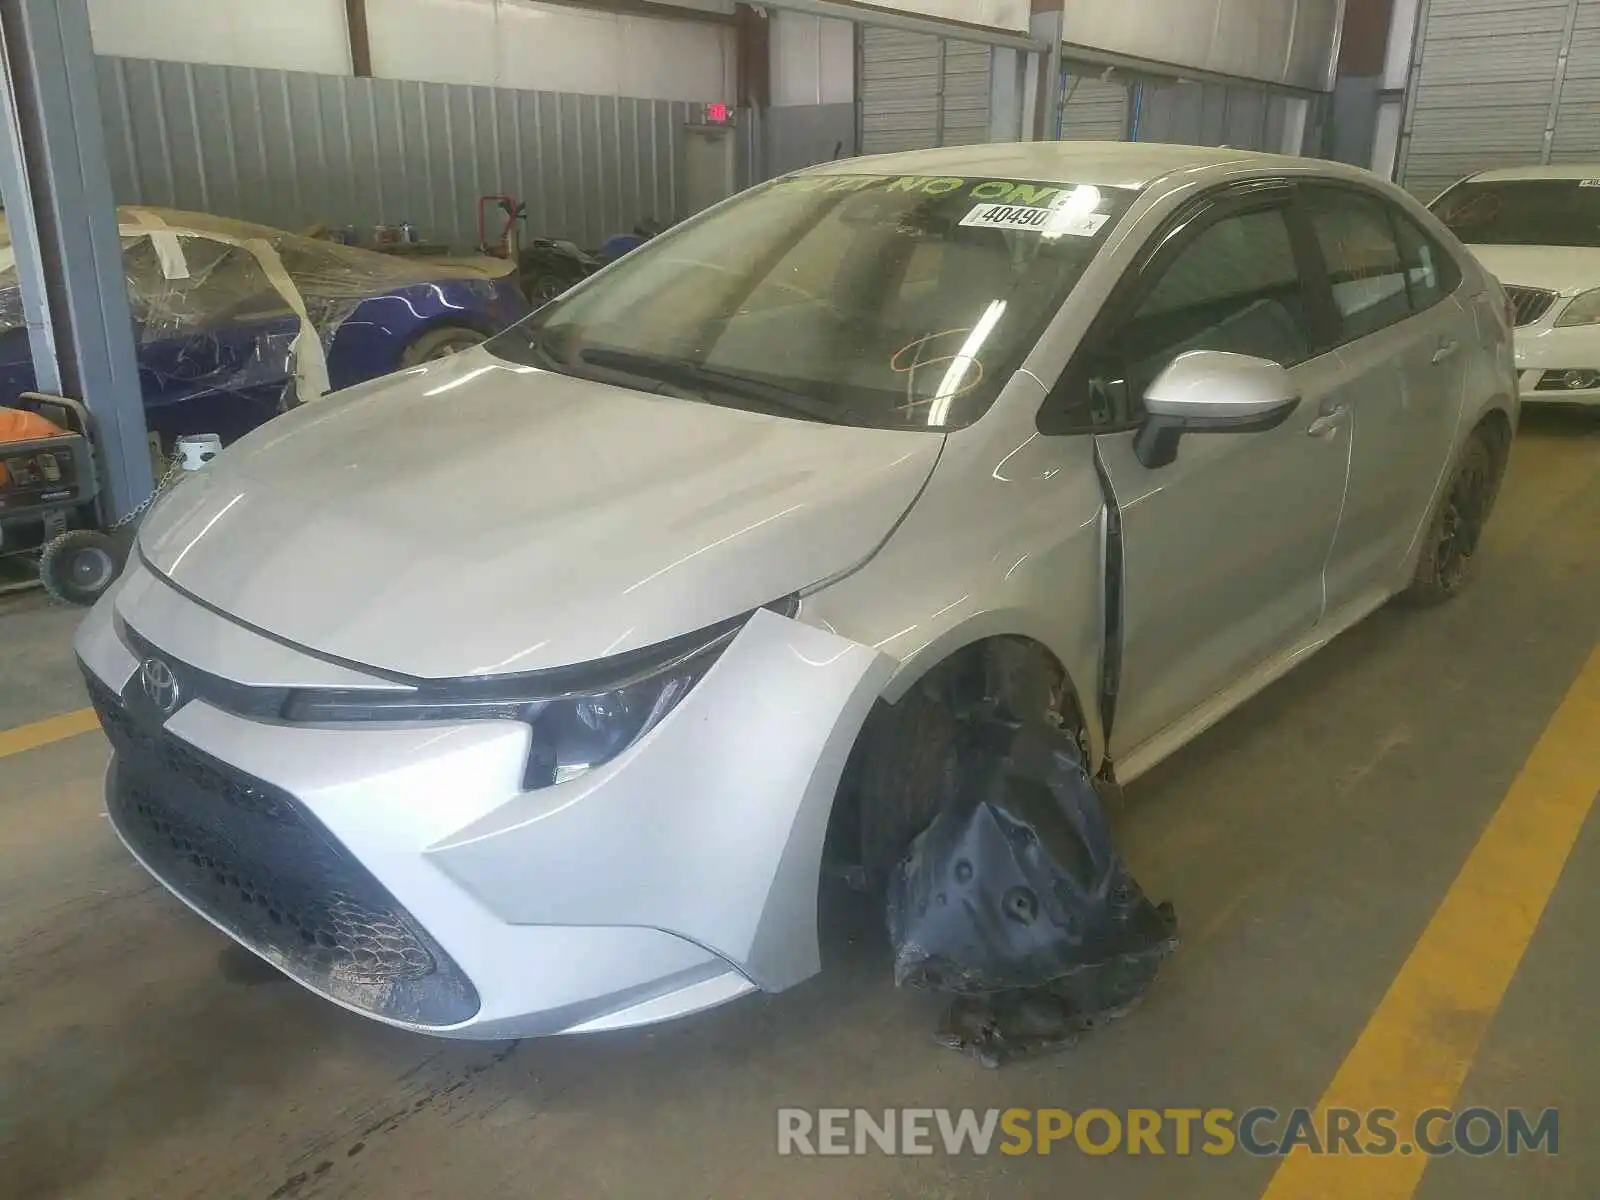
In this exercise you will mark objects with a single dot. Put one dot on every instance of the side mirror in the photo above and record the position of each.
(1211, 391)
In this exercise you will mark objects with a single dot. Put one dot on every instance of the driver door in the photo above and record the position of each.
(1224, 549)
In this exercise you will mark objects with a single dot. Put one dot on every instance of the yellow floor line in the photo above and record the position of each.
(1416, 1050)
(42, 733)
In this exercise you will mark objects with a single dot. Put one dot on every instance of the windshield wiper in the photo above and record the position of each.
(533, 351)
(680, 373)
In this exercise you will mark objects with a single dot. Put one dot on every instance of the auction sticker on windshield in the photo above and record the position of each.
(1048, 220)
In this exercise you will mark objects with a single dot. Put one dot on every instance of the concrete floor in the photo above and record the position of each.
(1306, 842)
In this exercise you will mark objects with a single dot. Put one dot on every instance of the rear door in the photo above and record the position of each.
(1223, 549)
(1403, 342)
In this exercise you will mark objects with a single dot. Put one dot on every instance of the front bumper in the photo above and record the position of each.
(1543, 351)
(399, 871)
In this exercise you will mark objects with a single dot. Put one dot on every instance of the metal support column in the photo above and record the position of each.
(1047, 26)
(1005, 95)
(70, 256)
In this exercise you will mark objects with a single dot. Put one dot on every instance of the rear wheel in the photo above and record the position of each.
(1450, 544)
(441, 343)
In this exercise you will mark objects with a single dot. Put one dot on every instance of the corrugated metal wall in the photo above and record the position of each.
(967, 68)
(1212, 114)
(918, 90)
(899, 90)
(1190, 114)
(1287, 42)
(800, 135)
(1482, 96)
(1092, 109)
(291, 148)
(1576, 137)
(1501, 83)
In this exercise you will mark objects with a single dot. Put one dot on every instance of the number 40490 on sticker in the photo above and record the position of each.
(1057, 222)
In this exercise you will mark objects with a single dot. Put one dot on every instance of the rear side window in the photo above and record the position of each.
(1431, 273)
(1365, 270)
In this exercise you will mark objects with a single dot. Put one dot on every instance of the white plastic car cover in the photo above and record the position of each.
(189, 278)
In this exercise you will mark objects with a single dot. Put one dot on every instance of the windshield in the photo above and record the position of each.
(1523, 212)
(888, 302)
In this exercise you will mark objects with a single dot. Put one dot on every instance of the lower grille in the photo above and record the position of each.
(1528, 304)
(256, 861)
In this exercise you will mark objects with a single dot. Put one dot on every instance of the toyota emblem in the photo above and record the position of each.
(160, 686)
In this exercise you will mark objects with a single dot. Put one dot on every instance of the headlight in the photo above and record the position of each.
(580, 716)
(1585, 310)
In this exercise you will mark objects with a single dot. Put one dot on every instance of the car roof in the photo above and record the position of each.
(1547, 171)
(1104, 164)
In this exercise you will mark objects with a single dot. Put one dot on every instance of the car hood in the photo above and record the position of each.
(474, 517)
(1566, 269)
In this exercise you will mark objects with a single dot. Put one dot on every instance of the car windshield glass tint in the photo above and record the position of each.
(889, 302)
(1524, 212)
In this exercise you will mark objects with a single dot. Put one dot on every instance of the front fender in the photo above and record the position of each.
(1002, 543)
(712, 827)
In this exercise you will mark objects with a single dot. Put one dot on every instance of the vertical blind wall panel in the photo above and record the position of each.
(919, 91)
(292, 149)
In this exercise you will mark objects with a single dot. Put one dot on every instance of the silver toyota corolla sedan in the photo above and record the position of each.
(527, 691)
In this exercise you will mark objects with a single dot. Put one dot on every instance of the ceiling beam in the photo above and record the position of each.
(658, 9)
(891, 18)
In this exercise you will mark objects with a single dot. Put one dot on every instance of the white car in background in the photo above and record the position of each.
(1537, 230)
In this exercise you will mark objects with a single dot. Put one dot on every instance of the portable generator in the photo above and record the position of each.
(48, 489)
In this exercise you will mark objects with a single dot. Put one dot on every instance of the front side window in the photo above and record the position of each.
(1523, 212)
(889, 302)
(1232, 285)
(1365, 271)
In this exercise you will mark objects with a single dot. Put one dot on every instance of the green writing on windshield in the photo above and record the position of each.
(1007, 191)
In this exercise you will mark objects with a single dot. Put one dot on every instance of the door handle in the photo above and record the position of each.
(1328, 423)
(1445, 350)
